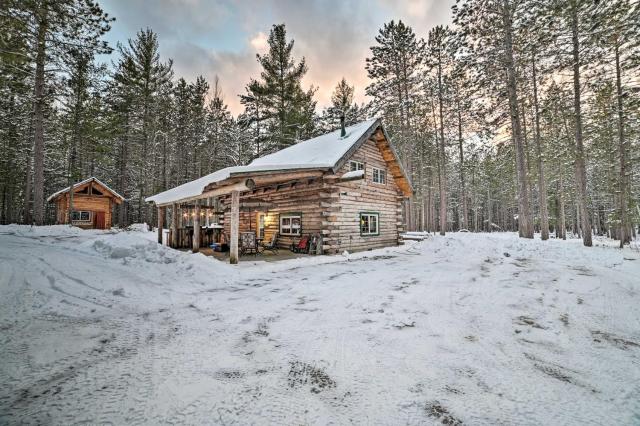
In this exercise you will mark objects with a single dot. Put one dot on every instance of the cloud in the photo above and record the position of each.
(222, 37)
(232, 68)
(260, 42)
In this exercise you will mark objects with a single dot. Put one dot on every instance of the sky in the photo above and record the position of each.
(222, 37)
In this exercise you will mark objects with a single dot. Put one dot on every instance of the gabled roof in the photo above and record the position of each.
(84, 182)
(322, 151)
(326, 152)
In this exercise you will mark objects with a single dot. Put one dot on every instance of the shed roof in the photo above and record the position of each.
(325, 152)
(84, 182)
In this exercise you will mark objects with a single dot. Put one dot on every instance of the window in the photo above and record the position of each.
(290, 224)
(379, 176)
(260, 225)
(355, 165)
(80, 216)
(369, 224)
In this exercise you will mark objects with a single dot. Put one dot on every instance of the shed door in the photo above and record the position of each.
(100, 220)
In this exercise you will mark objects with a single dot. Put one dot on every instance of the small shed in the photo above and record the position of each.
(93, 202)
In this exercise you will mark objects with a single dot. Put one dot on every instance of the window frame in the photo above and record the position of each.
(359, 165)
(290, 216)
(80, 214)
(382, 176)
(369, 215)
(261, 225)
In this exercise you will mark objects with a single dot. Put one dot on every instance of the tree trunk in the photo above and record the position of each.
(580, 168)
(26, 214)
(441, 151)
(524, 209)
(463, 192)
(122, 212)
(562, 226)
(38, 121)
(625, 236)
(542, 186)
(489, 212)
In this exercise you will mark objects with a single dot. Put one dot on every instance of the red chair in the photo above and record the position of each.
(302, 246)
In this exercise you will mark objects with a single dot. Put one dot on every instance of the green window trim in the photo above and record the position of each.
(365, 217)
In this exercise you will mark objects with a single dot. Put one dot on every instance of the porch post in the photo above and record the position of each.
(235, 223)
(160, 223)
(174, 226)
(196, 229)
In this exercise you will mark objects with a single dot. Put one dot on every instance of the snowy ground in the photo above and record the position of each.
(479, 329)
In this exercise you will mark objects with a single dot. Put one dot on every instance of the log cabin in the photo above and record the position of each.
(346, 187)
(93, 203)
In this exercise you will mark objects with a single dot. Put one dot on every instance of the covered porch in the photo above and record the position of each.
(263, 256)
(236, 218)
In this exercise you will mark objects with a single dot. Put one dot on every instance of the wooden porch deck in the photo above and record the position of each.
(283, 254)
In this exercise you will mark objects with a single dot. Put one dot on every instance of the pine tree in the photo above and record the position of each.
(148, 78)
(489, 28)
(287, 109)
(58, 26)
(342, 100)
(395, 69)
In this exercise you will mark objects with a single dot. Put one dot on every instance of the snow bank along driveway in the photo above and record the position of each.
(478, 329)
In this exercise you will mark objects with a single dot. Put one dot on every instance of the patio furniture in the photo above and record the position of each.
(272, 245)
(302, 246)
(248, 243)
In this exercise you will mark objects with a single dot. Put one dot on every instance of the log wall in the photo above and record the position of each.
(92, 203)
(300, 197)
(347, 200)
(330, 207)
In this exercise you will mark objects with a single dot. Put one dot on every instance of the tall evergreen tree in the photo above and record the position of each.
(54, 28)
(287, 108)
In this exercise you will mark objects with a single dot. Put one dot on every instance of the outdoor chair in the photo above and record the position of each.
(248, 243)
(272, 245)
(302, 246)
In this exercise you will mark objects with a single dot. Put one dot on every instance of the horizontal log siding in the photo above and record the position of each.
(302, 198)
(92, 203)
(342, 227)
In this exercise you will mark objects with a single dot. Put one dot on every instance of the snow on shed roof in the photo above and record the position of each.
(94, 179)
(322, 152)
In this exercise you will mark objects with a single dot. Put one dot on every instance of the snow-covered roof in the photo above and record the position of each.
(94, 179)
(353, 174)
(196, 187)
(322, 152)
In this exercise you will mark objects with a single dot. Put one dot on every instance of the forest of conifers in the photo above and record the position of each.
(520, 115)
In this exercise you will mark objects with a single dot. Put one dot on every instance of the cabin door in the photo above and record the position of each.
(100, 220)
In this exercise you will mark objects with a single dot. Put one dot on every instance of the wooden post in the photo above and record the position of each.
(174, 227)
(235, 224)
(196, 229)
(160, 223)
